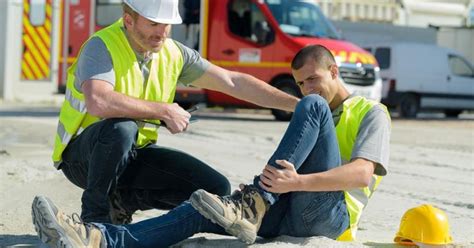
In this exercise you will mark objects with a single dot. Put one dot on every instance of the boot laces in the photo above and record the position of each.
(78, 224)
(233, 200)
(247, 199)
(240, 200)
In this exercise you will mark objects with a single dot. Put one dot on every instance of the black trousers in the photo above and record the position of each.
(103, 160)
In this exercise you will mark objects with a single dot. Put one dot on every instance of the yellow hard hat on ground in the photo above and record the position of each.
(424, 224)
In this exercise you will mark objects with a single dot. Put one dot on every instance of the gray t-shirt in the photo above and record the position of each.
(95, 62)
(373, 139)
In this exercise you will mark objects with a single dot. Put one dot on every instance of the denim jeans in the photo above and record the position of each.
(310, 143)
(162, 231)
(104, 159)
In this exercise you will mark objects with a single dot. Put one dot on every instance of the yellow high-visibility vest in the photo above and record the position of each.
(354, 111)
(165, 68)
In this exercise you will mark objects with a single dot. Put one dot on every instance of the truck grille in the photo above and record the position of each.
(357, 75)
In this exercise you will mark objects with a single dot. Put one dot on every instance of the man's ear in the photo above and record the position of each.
(334, 71)
(127, 20)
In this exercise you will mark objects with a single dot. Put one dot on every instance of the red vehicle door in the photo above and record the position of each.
(77, 17)
(240, 39)
(80, 19)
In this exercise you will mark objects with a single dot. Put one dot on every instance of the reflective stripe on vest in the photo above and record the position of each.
(354, 111)
(165, 68)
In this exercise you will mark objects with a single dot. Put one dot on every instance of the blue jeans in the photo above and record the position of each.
(310, 143)
(103, 160)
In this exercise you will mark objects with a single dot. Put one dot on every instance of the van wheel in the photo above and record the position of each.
(287, 85)
(454, 113)
(409, 106)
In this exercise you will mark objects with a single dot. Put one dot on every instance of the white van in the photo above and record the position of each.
(421, 76)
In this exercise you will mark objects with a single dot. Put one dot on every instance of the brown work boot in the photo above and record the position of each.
(240, 214)
(60, 230)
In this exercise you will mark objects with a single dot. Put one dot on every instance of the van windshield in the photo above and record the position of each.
(301, 18)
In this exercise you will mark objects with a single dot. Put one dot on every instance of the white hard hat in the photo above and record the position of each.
(160, 11)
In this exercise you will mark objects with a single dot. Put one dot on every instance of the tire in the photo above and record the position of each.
(453, 113)
(287, 85)
(409, 106)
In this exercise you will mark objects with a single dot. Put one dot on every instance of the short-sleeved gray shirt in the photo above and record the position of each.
(373, 139)
(95, 62)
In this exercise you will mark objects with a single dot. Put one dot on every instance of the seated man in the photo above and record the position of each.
(303, 191)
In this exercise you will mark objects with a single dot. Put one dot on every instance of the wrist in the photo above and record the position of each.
(300, 183)
(163, 112)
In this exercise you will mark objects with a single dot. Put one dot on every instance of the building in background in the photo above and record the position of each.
(379, 11)
(422, 13)
(445, 23)
(412, 13)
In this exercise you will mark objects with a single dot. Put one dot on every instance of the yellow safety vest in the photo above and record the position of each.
(354, 111)
(166, 66)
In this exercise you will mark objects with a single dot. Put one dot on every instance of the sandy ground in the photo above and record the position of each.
(432, 161)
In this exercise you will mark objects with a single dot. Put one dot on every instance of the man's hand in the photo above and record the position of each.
(280, 180)
(177, 119)
(102, 101)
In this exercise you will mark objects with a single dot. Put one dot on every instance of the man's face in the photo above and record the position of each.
(147, 35)
(314, 80)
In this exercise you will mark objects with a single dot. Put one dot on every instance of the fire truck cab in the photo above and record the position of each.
(260, 37)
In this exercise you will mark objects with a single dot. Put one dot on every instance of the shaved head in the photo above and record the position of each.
(319, 54)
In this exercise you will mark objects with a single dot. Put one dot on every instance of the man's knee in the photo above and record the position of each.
(311, 101)
(222, 187)
(120, 129)
(311, 104)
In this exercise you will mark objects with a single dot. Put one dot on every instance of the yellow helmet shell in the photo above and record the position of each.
(424, 224)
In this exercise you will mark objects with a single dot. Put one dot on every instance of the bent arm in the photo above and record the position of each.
(369, 156)
(355, 174)
(245, 87)
(102, 101)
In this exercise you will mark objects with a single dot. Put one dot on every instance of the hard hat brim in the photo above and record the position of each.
(405, 241)
(176, 20)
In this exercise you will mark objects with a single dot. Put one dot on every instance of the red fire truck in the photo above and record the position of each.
(259, 37)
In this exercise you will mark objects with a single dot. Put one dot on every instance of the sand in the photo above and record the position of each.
(432, 161)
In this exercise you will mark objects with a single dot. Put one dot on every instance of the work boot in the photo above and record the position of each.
(240, 214)
(60, 230)
(118, 214)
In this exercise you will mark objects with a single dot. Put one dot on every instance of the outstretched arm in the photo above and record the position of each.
(355, 174)
(245, 87)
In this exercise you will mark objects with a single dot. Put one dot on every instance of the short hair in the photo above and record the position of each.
(127, 9)
(320, 54)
